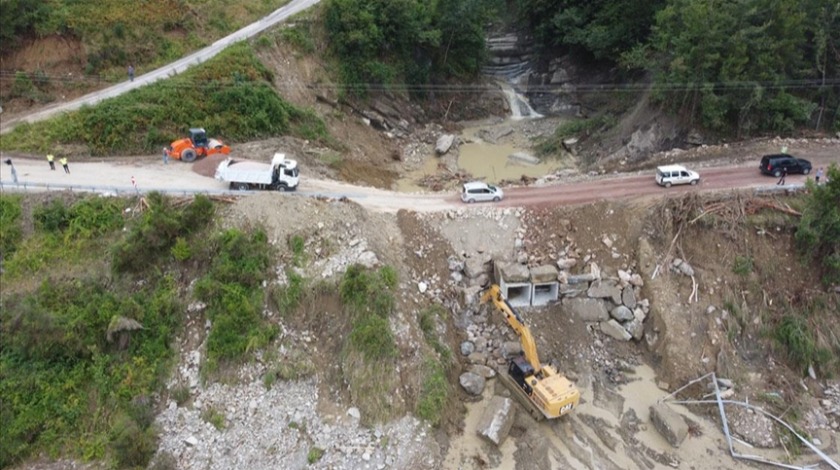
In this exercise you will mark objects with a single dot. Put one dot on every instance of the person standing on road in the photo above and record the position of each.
(131, 73)
(14, 172)
(51, 161)
(63, 162)
(165, 156)
(819, 175)
(782, 179)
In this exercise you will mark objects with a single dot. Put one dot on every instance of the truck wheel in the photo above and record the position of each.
(188, 155)
(241, 186)
(282, 187)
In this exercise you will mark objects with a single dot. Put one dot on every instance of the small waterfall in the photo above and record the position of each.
(519, 106)
(510, 59)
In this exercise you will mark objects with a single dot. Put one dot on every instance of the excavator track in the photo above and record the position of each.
(520, 396)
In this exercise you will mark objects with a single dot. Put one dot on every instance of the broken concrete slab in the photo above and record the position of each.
(605, 289)
(544, 273)
(514, 272)
(497, 419)
(669, 423)
(589, 310)
(615, 330)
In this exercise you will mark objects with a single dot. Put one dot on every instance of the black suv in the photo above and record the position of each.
(773, 164)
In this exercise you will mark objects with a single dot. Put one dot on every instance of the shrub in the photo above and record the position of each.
(215, 417)
(314, 455)
(181, 249)
(11, 228)
(818, 234)
(800, 344)
(133, 445)
(287, 298)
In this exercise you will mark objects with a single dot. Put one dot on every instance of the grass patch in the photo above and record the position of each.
(795, 334)
(287, 298)
(743, 265)
(298, 246)
(215, 417)
(428, 319)
(299, 36)
(231, 95)
(372, 337)
(181, 394)
(314, 455)
(435, 393)
(11, 228)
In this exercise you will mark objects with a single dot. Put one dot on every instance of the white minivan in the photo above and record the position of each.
(675, 174)
(477, 191)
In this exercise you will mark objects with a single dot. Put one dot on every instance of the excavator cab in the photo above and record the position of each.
(520, 369)
(198, 136)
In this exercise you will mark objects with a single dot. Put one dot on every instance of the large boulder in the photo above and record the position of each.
(497, 419)
(628, 297)
(669, 423)
(622, 313)
(515, 273)
(443, 144)
(636, 328)
(589, 310)
(472, 383)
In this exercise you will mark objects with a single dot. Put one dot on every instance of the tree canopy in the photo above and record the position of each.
(818, 235)
(382, 42)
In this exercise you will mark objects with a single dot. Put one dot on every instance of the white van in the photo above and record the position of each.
(477, 191)
(675, 174)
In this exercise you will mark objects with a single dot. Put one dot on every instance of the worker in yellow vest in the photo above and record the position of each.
(63, 162)
(51, 161)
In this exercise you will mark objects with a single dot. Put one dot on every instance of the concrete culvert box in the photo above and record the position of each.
(545, 293)
(518, 295)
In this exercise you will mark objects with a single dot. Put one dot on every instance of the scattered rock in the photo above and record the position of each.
(467, 348)
(636, 329)
(566, 263)
(354, 413)
(422, 287)
(482, 370)
(628, 297)
(669, 423)
(191, 441)
(622, 313)
(604, 290)
(443, 144)
(614, 329)
(588, 310)
(472, 383)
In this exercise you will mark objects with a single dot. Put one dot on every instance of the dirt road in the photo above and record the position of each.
(151, 174)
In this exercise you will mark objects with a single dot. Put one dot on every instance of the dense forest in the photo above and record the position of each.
(736, 67)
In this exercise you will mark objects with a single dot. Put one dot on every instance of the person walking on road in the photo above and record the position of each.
(782, 179)
(131, 73)
(165, 156)
(63, 162)
(818, 175)
(51, 161)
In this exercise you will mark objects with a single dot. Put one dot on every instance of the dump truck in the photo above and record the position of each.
(281, 175)
(540, 388)
(197, 145)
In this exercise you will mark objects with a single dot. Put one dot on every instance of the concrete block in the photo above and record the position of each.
(669, 423)
(517, 294)
(497, 419)
(543, 274)
(545, 293)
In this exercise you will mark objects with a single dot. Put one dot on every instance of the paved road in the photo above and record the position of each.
(279, 15)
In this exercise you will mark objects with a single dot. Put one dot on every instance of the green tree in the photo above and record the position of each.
(603, 28)
(818, 235)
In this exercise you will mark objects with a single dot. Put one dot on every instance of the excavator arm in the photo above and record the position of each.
(529, 346)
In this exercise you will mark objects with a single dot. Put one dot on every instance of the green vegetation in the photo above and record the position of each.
(116, 33)
(288, 297)
(435, 392)
(314, 455)
(157, 232)
(230, 95)
(385, 42)
(369, 353)
(734, 67)
(743, 265)
(215, 417)
(796, 334)
(553, 145)
(232, 290)
(818, 234)
(11, 229)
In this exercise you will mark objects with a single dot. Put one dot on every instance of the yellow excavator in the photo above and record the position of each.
(540, 388)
